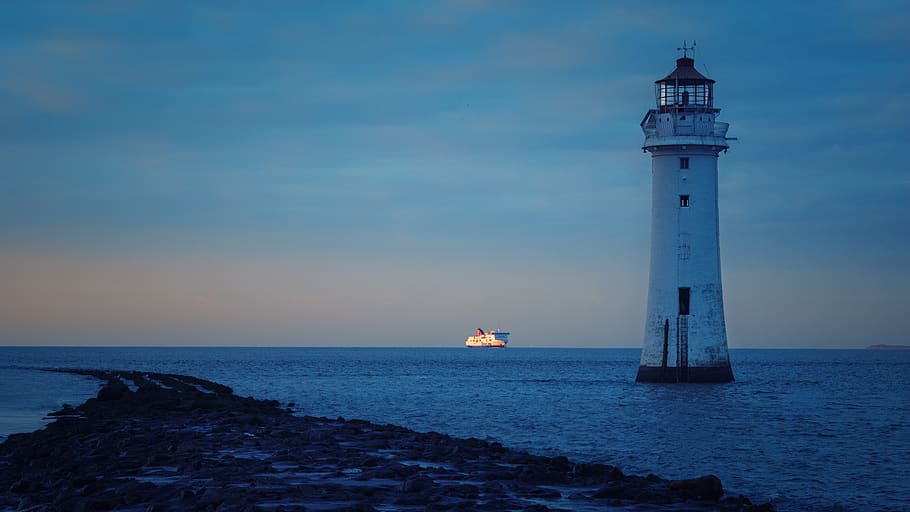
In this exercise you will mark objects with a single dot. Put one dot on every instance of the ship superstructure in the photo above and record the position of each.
(494, 339)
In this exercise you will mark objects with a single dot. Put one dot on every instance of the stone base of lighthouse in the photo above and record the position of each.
(691, 374)
(688, 346)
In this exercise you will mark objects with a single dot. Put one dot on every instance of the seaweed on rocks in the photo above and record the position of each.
(153, 442)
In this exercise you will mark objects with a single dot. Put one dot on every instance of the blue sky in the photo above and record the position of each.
(399, 173)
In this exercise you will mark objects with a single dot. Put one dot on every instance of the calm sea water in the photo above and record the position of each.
(810, 430)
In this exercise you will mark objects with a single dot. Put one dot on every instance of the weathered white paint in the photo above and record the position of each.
(685, 247)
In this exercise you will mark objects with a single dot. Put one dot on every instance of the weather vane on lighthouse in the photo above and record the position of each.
(685, 49)
(685, 333)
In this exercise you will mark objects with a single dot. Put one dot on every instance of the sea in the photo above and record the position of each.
(808, 430)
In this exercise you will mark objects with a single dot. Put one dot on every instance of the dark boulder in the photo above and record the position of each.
(114, 390)
(706, 487)
(417, 484)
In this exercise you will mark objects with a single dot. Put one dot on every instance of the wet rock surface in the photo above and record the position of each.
(156, 442)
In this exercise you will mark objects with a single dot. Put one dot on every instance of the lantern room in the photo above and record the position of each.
(685, 89)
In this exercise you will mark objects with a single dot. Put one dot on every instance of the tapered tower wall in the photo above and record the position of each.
(685, 253)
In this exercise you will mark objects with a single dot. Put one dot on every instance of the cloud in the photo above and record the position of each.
(45, 95)
(388, 148)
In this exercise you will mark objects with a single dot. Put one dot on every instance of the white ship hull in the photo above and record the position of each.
(491, 339)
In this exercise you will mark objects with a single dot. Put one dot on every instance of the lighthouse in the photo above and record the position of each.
(685, 334)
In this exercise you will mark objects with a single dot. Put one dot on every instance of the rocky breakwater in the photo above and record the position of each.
(155, 442)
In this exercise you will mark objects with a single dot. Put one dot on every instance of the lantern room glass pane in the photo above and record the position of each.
(667, 94)
(670, 94)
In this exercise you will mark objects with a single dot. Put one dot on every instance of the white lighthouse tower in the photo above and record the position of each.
(685, 335)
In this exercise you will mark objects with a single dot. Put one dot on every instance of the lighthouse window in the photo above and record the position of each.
(684, 201)
(684, 162)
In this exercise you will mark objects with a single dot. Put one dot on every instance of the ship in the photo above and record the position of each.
(496, 338)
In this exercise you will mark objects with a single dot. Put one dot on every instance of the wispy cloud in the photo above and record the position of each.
(389, 161)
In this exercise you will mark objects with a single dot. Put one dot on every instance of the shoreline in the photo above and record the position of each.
(152, 441)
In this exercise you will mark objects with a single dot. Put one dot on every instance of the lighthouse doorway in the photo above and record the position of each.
(684, 294)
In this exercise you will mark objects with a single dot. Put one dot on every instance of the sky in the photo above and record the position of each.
(401, 173)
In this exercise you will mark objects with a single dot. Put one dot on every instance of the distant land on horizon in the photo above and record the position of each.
(888, 347)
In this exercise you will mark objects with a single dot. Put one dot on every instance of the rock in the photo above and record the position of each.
(463, 491)
(544, 493)
(112, 392)
(613, 490)
(615, 474)
(196, 446)
(20, 486)
(560, 462)
(417, 484)
(535, 475)
(360, 507)
(706, 487)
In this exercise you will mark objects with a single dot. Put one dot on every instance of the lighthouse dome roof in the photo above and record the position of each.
(685, 71)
